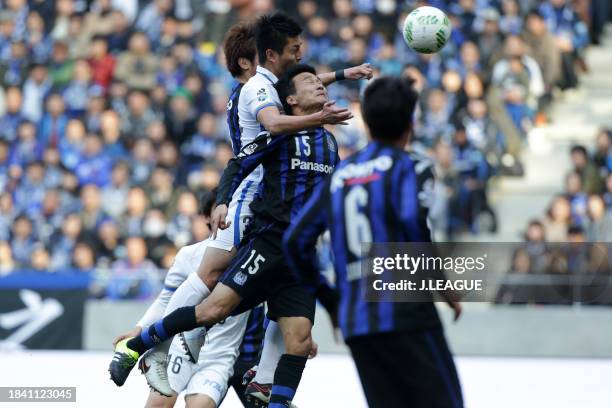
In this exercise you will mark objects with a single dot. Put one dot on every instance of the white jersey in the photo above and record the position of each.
(211, 374)
(258, 93)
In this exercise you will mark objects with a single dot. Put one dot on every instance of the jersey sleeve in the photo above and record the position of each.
(238, 168)
(301, 237)
(260, 97)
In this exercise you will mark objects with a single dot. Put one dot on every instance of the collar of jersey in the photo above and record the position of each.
(267, 74)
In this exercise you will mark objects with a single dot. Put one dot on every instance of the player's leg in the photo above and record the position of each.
(156, 400)
(410, 369)
(294, 309)
(380, 386)
(199, 401)
(273, 348)
(199, 285)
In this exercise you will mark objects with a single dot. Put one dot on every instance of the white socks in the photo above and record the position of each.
(273, 349)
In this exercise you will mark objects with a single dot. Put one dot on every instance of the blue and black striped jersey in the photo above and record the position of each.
(232, 118)
(377, 195)
(293, 166)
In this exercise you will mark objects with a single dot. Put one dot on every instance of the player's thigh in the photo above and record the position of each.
(199, 401)
(214, 262)
(156, 400)
(221, 302)
(251, 270)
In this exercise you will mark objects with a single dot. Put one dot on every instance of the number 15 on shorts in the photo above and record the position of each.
(252, 264)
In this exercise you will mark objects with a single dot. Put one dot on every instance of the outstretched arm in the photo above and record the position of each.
(363, 71)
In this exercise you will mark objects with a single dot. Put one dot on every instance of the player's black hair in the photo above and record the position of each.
(272, 32)
(388, 107)
(207, 201)
(285, 85)
(239, 43)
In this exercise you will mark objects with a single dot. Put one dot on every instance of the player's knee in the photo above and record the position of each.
(298, 342)
(199, 401)
(159, 401)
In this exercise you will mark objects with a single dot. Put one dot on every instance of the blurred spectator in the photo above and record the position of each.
(41, 261)
(541, 46)
(12, 117)
(35, 88)
(52, 127)
(571, 36)
(592, 182)
(137, 66)
(61, 66)
(26, 149)
(91, 213)
(138, 116)
(101, 62)
(558, 220)
(599, 222)
(180, 120)
(95, 164)
(137, 205)
(134, 277)
(576, 197)
(23, 241)
(114, 195)
(83, 258)
(519, 79)
(603, 153)
(31, 190)
(110, 246)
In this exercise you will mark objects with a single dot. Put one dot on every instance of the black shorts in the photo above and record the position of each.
(259, 272)
(407, 369)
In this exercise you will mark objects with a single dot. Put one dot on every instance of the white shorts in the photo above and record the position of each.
(239, 213)
(210, 380)
(209, 376)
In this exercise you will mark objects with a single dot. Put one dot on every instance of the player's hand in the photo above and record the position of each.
(132, 333)
(217, 219)
(333, 115)
(363, 71)
(314, 350)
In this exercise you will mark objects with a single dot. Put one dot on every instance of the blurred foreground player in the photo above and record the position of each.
(399, 348)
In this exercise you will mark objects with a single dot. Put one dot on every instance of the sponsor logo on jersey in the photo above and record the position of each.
(360, 173)
(262, 95)
(230, 104)
(248, 150)
(240, 278)
(312, 166)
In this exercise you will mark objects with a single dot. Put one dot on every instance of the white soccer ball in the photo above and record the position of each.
(427, 29)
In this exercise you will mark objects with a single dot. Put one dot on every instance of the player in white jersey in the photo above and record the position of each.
(205, 383)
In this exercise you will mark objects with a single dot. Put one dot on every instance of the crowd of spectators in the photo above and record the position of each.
(573, 237)
(112, 112)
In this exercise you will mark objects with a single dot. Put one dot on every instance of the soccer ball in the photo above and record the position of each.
(427, 29)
